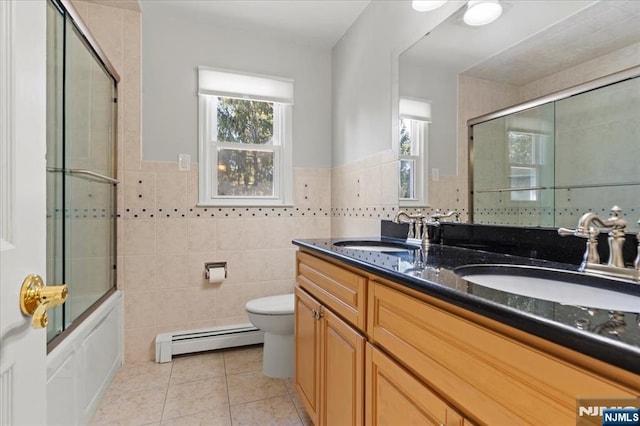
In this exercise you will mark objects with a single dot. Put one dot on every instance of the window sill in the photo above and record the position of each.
(245, 204)
(413, 203)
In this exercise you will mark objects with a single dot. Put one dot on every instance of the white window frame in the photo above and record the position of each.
(209, 145)
(537, 147)
(524, 195)
(418, 116)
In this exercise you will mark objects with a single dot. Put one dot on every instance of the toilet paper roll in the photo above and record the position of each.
(216, 275)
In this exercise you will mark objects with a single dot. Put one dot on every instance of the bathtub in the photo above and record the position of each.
(81, 367)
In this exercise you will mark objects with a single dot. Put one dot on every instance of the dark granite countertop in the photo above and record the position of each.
(611, 336)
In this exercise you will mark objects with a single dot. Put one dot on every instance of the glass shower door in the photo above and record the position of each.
(89, 193)
(513, 172)
(55, 160)
(81, 160)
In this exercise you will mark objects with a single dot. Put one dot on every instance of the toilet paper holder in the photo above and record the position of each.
(210, 265)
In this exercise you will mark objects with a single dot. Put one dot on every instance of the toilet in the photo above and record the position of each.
(274, 316)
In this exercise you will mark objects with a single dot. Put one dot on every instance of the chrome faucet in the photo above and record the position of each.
(414, 221)
(419, 224)
(589, 226)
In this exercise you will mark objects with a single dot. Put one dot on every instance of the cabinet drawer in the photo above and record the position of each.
(395, 397)
(341, 290)
(492, 378)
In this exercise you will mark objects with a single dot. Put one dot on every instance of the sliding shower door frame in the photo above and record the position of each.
(71, 17)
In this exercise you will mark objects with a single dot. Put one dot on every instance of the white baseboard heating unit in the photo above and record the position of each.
(208, 339)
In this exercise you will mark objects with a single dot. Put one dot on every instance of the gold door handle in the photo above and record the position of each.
(36, 299)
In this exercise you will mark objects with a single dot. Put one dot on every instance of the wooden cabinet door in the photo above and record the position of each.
(395, 397)
(342, 373)
(307, 334)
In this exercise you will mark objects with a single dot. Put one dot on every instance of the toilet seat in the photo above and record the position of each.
(282, 304)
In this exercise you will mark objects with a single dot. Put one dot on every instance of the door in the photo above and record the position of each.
(395, 397)
(307, 352)
(22, 206)
(343, 372)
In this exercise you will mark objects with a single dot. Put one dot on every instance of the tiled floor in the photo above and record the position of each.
(214, 388)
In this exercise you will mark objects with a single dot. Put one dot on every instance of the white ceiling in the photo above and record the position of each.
(532, 39)
(318, 22)
(604, 27)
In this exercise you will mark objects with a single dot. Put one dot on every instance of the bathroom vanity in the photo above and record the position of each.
(393, 335)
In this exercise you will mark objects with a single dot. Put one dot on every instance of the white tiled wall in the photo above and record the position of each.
(167, 240)
(363, 193)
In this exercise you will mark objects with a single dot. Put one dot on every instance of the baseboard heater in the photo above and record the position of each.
(184, 342)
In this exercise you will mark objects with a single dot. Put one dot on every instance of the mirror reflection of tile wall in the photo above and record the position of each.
(598, 142)
(583, 150)
(511, 154)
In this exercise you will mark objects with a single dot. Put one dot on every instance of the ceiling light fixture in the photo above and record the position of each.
(482, 12)
(427, 5)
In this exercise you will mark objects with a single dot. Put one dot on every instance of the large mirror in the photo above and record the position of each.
(545, 165)
(532, 50)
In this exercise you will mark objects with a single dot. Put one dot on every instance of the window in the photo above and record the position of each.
(245, 139)
(525, 159)
(414, 131)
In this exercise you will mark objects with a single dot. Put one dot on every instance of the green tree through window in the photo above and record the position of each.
(405, 139)
(245, 170)
(406, 172)
(245, 121)
(245, 132)
(525, 154)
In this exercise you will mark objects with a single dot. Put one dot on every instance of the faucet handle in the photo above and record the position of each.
(616, 221)
(436, 216)
(566, 232)
(590, 233)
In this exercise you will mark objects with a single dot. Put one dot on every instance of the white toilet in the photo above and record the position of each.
(274, 316)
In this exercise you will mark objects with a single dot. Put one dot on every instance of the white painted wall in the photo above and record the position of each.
(440, 86)
(174, 46)
(365, 76)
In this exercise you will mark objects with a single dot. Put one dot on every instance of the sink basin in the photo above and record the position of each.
(379, 246)
(565, 287)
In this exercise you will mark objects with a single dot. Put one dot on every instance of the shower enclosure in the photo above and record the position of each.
(81, 166)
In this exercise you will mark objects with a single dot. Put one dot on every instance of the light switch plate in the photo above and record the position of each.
(435, 174)
(184, 162)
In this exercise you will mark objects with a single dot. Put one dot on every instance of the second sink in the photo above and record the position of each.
(565, 287)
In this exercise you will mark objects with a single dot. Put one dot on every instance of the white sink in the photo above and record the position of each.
(556, 286)
(377, 246)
